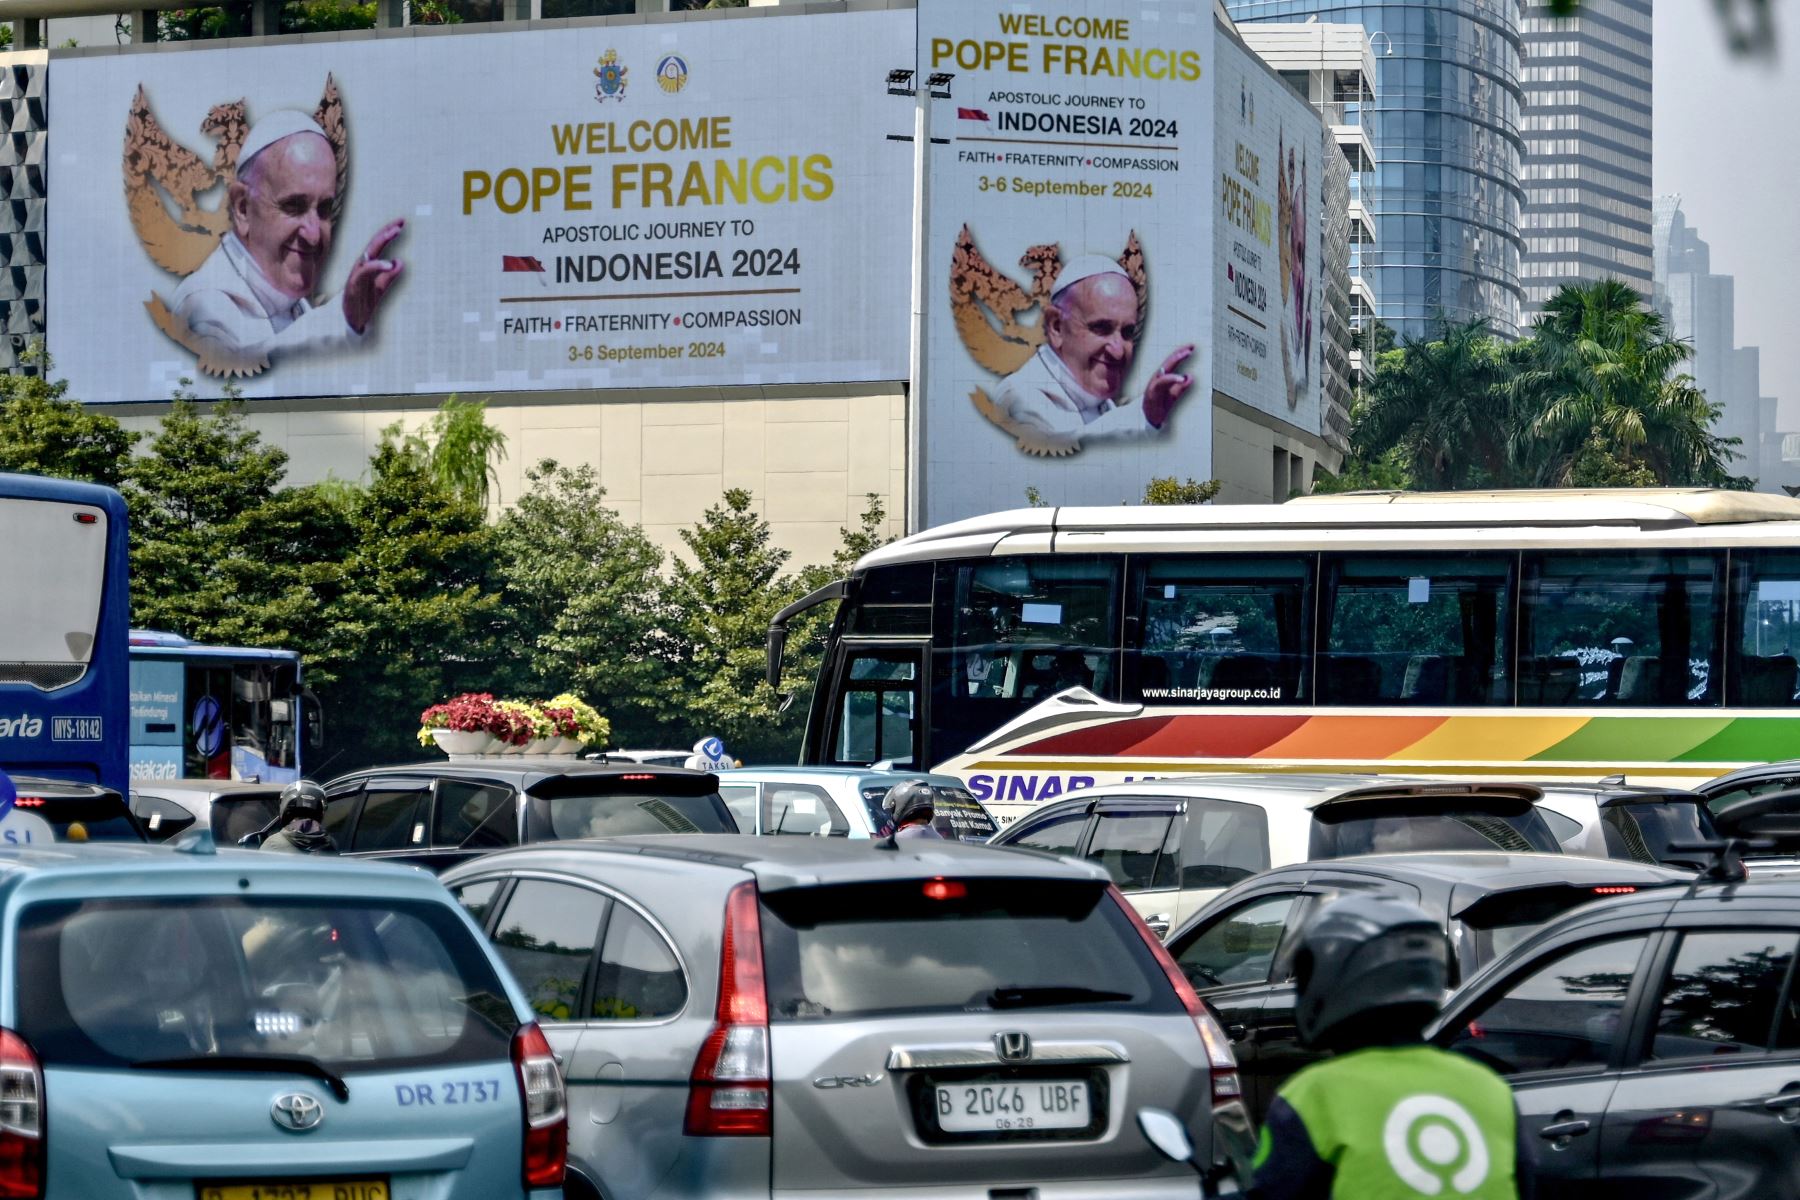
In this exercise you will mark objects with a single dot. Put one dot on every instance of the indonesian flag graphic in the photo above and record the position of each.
(972, 114)
(519, 262)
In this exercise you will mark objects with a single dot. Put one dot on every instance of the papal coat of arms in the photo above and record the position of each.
(610, 78)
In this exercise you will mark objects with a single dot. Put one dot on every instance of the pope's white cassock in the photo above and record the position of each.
(230, 301)
(1044, 405)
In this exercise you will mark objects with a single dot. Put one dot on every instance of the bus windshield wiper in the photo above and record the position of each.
(1044, 997)
(297, 1064)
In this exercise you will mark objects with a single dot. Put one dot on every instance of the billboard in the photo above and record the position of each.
(1069, 309)
(658, 205)
(1268, 276)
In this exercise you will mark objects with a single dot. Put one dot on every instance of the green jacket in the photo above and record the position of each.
(1392, 1123)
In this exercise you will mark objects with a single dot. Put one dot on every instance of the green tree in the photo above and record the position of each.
(1601, 378)
(193, 498)
(43, 432)
(1441, 404)
(584, 603)
(1166, 489)
(722, 602)
(409, 615)
(1385, 472)
(458, 448)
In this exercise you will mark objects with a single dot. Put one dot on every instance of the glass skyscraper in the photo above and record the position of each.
(1445, 125)
(1587, 147)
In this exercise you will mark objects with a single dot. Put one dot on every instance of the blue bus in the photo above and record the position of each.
(64, 619)
(217, 712)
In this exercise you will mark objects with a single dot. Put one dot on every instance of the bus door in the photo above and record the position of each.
(877, 712)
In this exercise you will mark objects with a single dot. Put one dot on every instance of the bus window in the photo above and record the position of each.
(1011, 633)
(1220, 630)
(1638, 629)
(1765, 605)
(1417, 629)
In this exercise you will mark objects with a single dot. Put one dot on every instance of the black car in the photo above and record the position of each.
(1652, 1042)
(1238, 951)
(1763, 803)
(75, 812)
(440, 813)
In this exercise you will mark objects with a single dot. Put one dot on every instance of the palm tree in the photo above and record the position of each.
(1600, 380)
(1443, 405)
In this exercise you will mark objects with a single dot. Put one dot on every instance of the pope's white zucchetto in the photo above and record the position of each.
(282, 123)
(1085, 267)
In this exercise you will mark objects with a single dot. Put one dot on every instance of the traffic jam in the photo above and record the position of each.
(526, 970)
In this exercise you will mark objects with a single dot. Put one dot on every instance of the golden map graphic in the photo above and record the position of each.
(987, 306)
(166, 185)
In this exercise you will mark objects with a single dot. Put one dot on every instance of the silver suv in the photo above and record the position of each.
(743, 1017)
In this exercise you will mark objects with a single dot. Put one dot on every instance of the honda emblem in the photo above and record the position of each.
(1013, 1047)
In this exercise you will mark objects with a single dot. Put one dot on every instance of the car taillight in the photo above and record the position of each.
(546, 1113)
(1614, 890)
(729, 1090)
(1226, 1085)
(21, 1119)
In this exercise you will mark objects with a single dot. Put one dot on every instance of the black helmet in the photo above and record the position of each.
(909, 801)
(1365, 955)
(301, 800)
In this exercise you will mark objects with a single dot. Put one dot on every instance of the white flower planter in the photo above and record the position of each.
(459, 743)
(507, 748)
(568, 745)
(541, 746)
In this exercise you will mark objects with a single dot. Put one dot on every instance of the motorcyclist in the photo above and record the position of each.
(1387, 1115)
(913, 809)
(299, 823)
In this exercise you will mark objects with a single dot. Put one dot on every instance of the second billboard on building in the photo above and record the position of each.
(1069, 297)
(659, 205)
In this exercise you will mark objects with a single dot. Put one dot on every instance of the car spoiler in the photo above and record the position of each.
(1506, 798)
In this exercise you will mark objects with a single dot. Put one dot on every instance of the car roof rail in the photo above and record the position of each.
(1725, 858)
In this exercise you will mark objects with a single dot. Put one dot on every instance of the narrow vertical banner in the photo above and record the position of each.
(1070, 310)
(1268, 315)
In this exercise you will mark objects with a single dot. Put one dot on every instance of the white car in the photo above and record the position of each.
(1608, 820)
(1173, 844)
(843, 802)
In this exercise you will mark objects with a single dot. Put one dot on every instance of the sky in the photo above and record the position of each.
(1726, 139)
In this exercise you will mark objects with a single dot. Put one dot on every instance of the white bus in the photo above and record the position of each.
(1545, 634)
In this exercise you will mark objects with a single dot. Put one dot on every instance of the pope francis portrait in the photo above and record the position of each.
(1070, 391)
(255, 294)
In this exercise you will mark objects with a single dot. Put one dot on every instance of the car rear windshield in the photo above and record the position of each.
(100, 818)
(1646, 832)
(355, 984)
(615, 812)
(1499, 921)
(954, 946)
(960, 817)
(1340, 831)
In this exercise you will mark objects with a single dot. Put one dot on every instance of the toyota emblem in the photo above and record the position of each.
(1013, 1047)
(297, 1111)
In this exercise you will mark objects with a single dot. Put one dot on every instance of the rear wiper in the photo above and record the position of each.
(297, 1064)
(1044, 997)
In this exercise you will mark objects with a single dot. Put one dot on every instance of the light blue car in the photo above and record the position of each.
(188, 1024)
